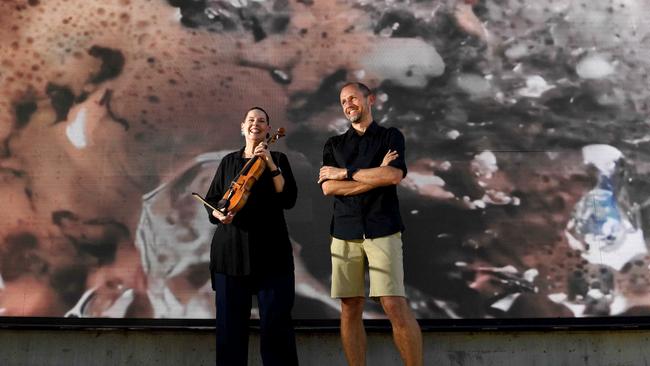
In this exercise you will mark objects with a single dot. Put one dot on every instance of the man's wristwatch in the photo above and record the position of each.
(276, 172)
(351, 171)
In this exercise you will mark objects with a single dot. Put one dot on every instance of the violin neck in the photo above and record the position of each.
(271, 139)
(252, 160)
(225, 202)
(248, 165)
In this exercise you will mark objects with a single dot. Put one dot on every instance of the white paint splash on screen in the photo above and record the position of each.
(594, 66)
(339, 126)
(76, 130)
(531, 274)
(420, 179)
(535, 87)
(603, 157)
(177, 16)
(485, 163)
(577, 309)
(427, 184)
(453, 134)
(408, 62)
(505, 303)
(475, 85)
(619, 305)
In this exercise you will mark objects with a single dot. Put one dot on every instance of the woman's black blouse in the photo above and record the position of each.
(256, 242)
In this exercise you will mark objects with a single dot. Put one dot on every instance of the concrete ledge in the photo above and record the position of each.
(197, 347)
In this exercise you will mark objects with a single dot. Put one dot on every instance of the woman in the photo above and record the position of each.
(251, 253)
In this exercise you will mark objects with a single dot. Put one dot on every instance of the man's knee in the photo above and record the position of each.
(352, 307)
(397, 310)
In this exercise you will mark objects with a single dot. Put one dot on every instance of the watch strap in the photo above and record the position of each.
(351, 171)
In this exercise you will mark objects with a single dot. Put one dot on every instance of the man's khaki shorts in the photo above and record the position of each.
(384, 266)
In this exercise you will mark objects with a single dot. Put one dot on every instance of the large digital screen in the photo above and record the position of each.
(527, 145)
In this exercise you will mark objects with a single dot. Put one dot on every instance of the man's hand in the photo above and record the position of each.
(331, 173)
(390, 156)
(225, 219)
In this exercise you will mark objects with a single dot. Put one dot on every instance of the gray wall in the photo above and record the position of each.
(196, 347)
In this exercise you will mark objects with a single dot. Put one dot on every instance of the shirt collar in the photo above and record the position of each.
(240, 154)
(373, 127)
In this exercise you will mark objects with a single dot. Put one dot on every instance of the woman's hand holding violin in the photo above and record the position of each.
(262, 150)
(225, 219)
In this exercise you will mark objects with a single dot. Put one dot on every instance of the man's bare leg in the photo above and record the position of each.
(353, 335)
(406, 330)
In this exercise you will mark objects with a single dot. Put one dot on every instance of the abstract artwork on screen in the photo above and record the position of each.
(526, 124)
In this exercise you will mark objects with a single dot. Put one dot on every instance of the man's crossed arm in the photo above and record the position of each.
(335, 183)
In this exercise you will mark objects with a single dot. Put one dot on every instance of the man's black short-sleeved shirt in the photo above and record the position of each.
(375, 213)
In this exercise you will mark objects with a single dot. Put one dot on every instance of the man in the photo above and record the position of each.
(361, 169)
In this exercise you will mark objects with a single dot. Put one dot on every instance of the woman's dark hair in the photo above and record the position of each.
(268, 120)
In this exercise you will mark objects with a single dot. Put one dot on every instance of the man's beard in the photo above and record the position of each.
(356, 118)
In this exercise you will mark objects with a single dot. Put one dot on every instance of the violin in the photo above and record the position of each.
(240, 188)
